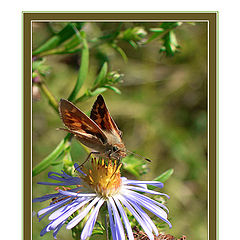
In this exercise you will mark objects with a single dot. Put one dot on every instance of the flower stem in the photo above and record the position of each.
(52, 100)
(106, 226)
(104, 218)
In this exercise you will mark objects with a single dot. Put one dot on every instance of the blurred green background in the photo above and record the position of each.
(162, 112)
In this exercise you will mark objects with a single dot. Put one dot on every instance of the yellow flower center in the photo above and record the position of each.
(103, 178)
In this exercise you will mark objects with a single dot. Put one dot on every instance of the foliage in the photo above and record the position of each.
(91, 52)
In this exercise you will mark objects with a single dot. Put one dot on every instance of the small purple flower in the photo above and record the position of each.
(102, 183)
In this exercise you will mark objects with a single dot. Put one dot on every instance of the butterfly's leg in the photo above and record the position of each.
(87, 159)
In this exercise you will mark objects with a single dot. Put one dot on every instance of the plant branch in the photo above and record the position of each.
(52, 100)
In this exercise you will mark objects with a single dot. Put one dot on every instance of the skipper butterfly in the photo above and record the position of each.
(99, 132)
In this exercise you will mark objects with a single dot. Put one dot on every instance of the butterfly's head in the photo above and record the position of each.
(118, 151)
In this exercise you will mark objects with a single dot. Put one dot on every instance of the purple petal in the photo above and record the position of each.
(82, 214)
(137, 216)
(70, 208)
(51, 208)
(46, 197)
(45, 230)
(88, 228)
(54, 176)
(144, 190)
(125, 219)
(137, 182)
(58, 196)
(63, 197)
(119, 226)
(145, 199)
(145, 217)
(112, 224)
(56, 230)
(152, 208)
(64, 179)
(73, 194)
(64, 216)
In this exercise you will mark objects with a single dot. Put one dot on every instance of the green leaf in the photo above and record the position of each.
(158, 30)
(121, 52)
(57, 39)
(170, 44)
(154, 36)
(56, 163)
(34, 74)
(134, 34)
(134, 45)
(98, 91)
(89, 94)
(53, 156)
(36, 64)
(162, 178)
(72, 43)
(164, 28)
(98, 228)
(101, 76)
(97, 231)
(116, 90)
(170, 25)
(134, 166)
(83, 71)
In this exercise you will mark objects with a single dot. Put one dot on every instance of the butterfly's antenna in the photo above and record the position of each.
(147, 159)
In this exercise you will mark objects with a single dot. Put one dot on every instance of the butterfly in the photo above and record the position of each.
(99, 132)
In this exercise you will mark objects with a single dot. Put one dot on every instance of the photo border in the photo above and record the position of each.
(211, 17)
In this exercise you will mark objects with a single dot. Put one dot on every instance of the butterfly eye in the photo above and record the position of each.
(115, 149)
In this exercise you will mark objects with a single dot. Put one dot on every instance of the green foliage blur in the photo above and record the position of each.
(153, 77)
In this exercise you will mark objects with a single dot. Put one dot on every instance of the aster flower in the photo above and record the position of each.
(94, 187)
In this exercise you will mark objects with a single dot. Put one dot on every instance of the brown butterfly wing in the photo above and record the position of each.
(101, 116)
(79, 123)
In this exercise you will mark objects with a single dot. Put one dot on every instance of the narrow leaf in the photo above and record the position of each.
(121, 52)
(116, 90)
(57, 39)
(101, 75)
(83, 71)
(55, 154)
(134, 166)
(133, 44)
(159, 30)
(162, 178)
(98, 91)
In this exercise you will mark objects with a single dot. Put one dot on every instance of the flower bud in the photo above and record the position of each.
(134, 34)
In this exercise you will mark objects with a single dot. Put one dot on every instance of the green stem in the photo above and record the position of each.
(78, 235)
(104, 218)
(106, 226)
(90, 93)
(84, 97)
(52, 100)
